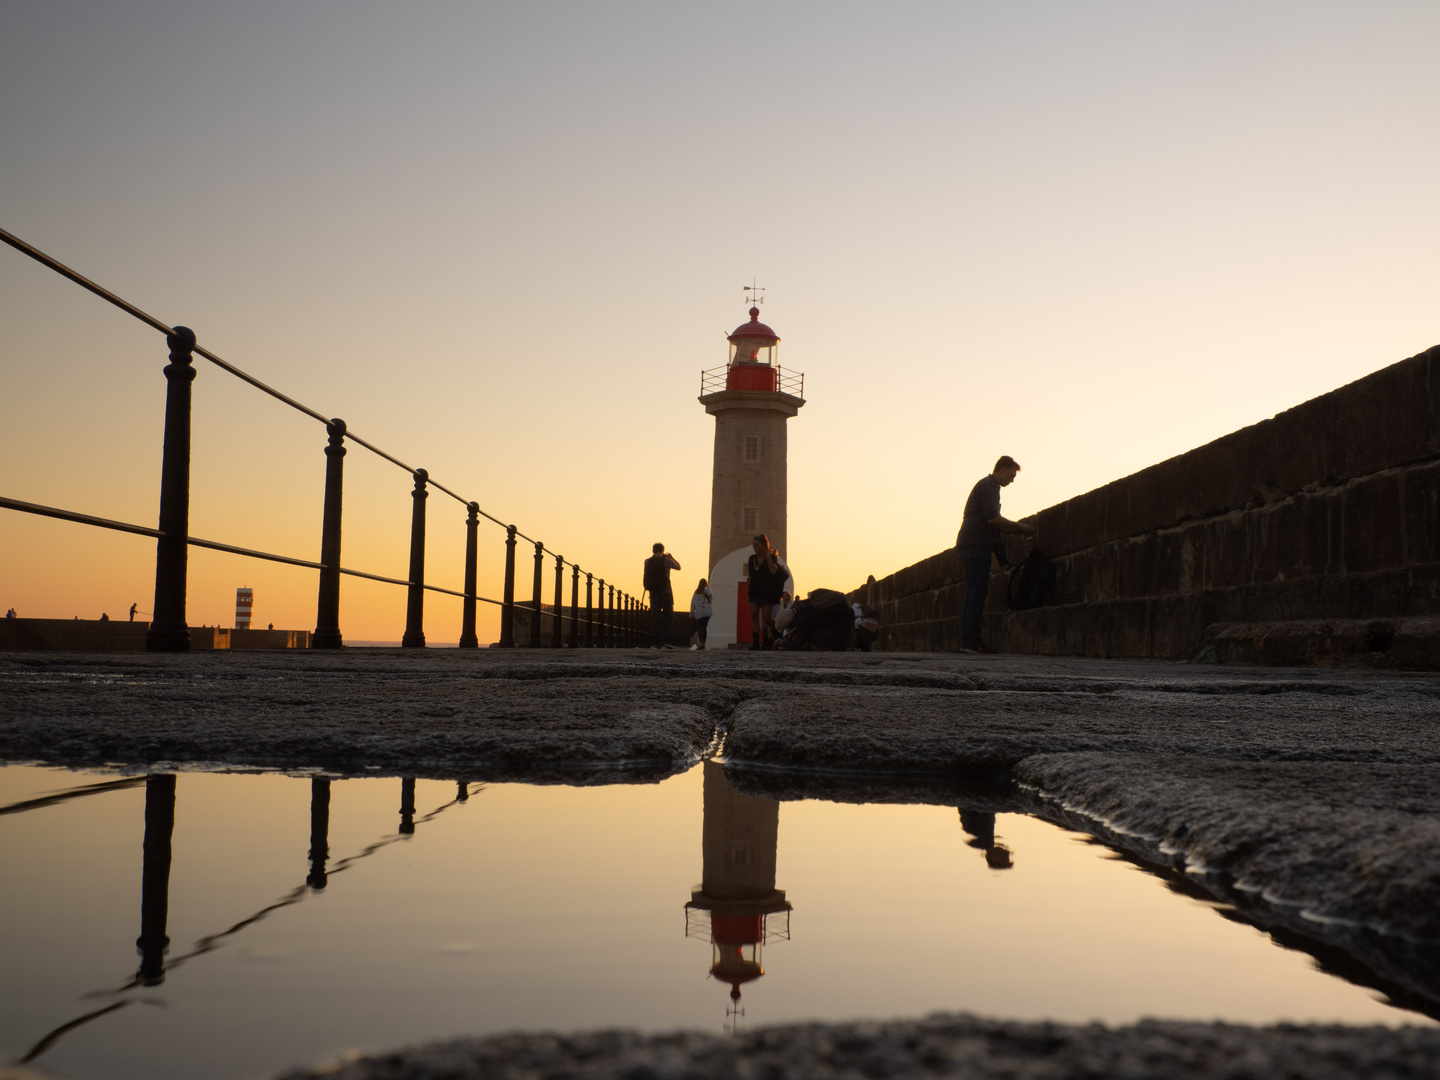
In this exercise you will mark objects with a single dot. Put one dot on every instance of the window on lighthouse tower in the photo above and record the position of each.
(752, 519)
(752, 448)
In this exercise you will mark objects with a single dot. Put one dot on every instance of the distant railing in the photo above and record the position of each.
(619, 624)
(714, 380)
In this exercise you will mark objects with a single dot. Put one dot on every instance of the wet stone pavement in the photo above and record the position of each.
(1309, 799)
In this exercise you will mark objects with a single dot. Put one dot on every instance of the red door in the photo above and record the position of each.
(742, 615)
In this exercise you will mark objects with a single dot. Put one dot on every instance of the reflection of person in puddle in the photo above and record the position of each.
(981, 827)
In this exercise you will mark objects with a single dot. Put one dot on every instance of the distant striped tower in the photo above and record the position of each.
(244, 602)
(751, 398)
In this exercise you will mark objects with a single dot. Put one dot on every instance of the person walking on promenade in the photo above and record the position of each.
(766, 575)
(978, 539)
(700, 610)
(662, 600)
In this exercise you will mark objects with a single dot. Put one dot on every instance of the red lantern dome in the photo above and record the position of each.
(754, 330)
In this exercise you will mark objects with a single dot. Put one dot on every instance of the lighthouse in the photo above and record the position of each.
(736, 903)
(751, 398)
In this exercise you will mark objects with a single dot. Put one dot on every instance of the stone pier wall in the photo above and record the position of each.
(1307, 538)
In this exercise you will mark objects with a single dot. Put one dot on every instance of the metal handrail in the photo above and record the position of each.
(215, 545)
(157, 324)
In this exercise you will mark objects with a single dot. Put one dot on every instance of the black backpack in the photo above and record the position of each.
(1030, 582)
(656, 579)
(823, 620)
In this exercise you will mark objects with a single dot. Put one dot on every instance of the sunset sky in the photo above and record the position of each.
(502, 241)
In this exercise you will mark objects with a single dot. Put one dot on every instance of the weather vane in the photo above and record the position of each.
(752, 293)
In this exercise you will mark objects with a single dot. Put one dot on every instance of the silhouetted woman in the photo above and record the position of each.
(767, 575)
(700, 611)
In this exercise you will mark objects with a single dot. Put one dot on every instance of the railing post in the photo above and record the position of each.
(535, 595)
(319, 833)
(507, 610)
(168, 632)
(407, 806)
(600, 627)
(629, 619)
(589, 612)
(558, 627)
(327, 613)
(155, 878)
(611, 640)
(415, 604)
(575, 608)
(468, 640)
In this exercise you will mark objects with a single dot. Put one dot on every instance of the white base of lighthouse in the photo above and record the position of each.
(730, 623)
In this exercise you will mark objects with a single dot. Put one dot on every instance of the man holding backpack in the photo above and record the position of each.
(978, 539)
(662, 600)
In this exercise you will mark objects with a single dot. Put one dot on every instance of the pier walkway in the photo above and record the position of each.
(1307, 799)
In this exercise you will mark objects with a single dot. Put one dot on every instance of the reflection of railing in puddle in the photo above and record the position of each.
(153, 943)
(697, 925)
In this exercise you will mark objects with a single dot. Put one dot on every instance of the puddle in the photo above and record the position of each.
(306, 918)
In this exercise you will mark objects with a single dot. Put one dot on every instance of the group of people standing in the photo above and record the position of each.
(765, 571)
(980, 538)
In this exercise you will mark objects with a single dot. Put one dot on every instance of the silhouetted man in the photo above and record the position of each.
(978, 539)
(662, 600)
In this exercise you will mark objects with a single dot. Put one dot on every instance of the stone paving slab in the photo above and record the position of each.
(1344, 853)
(904, 730)
(963, 1047)
(415, 712)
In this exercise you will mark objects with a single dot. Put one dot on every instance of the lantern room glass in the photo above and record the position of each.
(754, 351)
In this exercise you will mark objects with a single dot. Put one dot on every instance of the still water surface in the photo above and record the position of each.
(526, 906)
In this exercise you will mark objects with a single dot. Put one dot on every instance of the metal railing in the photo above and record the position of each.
(619, 624)
(714, 380)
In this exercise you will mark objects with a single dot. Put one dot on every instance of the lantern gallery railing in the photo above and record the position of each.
(616, 622)
(752, 377)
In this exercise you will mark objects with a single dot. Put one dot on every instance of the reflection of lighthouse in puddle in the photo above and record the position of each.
(736, 905)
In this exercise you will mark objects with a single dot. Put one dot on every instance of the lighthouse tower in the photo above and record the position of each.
(751, 398)
(736, 903)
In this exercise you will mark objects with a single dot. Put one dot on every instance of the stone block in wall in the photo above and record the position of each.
(1404, 644)
(1138, 570)
(935, 571)
(1293, 598)
(1292, 537)
(1420, 510)
(1362, 596)
(1372, 522)
(1069, 578)
(1224, 605)
(1125, 628)
(1084, 522)
(1099, 570)
(1028, 632)
(1179, 559)
(1387, 419)
(1422, 589)
(1227, 551)
(1292, 450)
(1214, 478)
(1177, 626)
(1052, 533)
(1143, 501)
